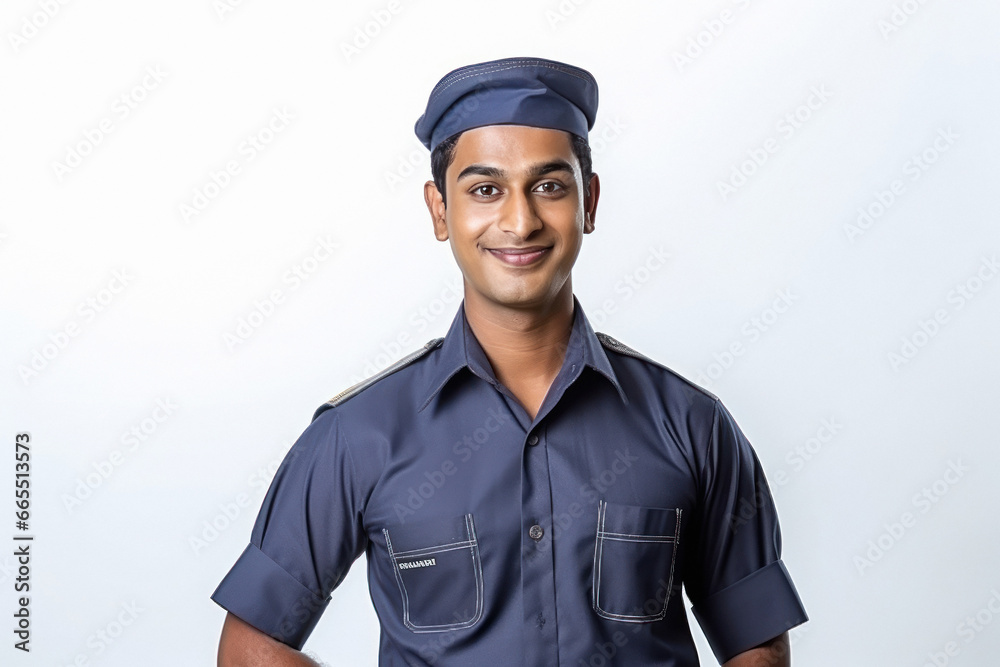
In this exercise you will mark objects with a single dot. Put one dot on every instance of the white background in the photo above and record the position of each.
(347, 169)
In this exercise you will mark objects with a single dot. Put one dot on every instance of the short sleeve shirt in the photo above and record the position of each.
(495, 538)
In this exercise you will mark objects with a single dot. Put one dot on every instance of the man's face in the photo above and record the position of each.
(517, 211)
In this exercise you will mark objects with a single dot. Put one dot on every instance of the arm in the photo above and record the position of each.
(307, 534)
(772, 653)
(243, 645)
(742, 595)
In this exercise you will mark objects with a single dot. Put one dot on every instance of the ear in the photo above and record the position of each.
(435, 206)
(590, 203)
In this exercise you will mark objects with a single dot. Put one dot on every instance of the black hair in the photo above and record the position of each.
(444, 153)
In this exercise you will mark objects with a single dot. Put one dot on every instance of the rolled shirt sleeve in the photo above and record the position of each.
(306, 536)
(741, 592)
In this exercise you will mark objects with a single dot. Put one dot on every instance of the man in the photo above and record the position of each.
(526, 491)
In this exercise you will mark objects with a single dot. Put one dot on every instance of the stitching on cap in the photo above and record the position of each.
(514, 65)
(496, 68)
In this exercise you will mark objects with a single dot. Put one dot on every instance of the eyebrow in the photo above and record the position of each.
(534, 171)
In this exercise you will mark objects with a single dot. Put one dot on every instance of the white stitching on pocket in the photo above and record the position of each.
(603, 535)
(472, 544)
(433, 550)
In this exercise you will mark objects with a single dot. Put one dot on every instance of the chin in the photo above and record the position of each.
(527, 298)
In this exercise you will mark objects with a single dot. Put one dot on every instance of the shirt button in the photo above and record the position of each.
(532, 439)
(535, 532)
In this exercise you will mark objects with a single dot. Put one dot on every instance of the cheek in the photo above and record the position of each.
(567, 220)
(564, 213)
(467, 224)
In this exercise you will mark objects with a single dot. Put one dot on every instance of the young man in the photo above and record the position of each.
(527, 491)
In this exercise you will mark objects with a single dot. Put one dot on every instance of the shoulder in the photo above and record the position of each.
(371, 381)
(666, 377)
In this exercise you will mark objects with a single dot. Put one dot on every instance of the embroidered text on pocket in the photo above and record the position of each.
(438, 568)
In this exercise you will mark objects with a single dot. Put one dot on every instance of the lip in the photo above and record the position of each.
(520, 256)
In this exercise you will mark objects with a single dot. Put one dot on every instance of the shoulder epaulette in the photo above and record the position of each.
(388, 370)
(618, 346)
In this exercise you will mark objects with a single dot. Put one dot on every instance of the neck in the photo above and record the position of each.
(525, 345)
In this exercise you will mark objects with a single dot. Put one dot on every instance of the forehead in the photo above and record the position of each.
(512, 145)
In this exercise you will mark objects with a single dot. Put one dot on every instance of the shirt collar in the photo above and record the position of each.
(461, 349)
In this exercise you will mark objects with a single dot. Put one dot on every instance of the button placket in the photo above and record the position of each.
(537, 564)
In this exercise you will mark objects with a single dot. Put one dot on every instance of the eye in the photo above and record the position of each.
(486, 190)
(550, 187)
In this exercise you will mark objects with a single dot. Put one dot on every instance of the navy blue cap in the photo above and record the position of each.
(519, 91)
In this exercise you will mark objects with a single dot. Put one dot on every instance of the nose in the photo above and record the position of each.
(518, 215)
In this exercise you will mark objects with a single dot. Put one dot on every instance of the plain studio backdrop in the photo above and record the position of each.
(211, 221)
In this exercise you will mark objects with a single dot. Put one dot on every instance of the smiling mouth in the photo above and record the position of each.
(519, 256)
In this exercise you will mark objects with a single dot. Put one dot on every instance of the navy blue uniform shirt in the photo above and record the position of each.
(494, 538)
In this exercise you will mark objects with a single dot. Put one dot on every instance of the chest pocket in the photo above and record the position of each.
(634, 555)
(439, 572)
